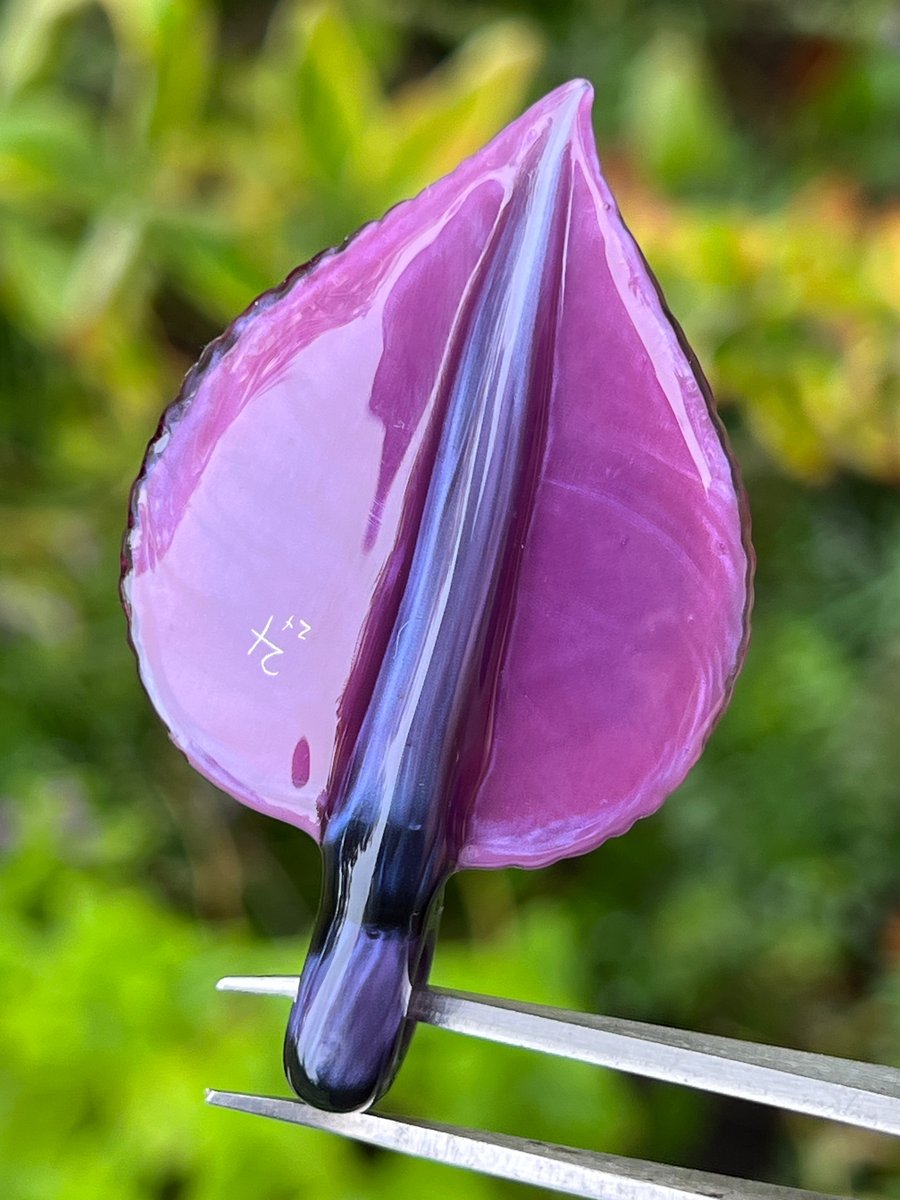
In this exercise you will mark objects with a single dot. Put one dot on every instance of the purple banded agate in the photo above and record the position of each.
(440, 556)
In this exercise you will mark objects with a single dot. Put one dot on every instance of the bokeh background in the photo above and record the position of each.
(161, 162)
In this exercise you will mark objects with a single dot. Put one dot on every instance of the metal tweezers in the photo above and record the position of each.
(838, 1089)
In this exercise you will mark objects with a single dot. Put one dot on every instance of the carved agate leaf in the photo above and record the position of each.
(440, 556)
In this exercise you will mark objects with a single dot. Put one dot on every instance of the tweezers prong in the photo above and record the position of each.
(837, 1089)
(260, 985)
(559, 1168)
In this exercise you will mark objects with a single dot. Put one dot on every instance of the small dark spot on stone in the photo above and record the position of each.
(300, 764)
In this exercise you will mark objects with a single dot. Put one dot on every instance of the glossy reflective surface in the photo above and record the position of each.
(398, 816)
(440, 557)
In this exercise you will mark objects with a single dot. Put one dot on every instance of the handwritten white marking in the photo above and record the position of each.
(263, 639)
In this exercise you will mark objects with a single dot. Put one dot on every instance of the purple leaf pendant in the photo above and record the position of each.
(440, 556)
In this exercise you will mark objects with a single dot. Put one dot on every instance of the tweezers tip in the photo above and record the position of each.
(234, 1100)
(259, 985)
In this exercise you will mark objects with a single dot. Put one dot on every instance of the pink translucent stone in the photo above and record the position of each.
(274, 520)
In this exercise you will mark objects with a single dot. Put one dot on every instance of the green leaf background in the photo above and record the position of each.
(162, 162)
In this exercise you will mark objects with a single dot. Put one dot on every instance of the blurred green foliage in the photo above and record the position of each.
(161, 162)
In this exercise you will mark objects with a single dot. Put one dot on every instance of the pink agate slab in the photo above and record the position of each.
(275, 523)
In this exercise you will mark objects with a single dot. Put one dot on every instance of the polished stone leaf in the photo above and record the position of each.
(440, 556)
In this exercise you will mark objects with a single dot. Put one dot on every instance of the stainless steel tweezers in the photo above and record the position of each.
(838, 1089)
